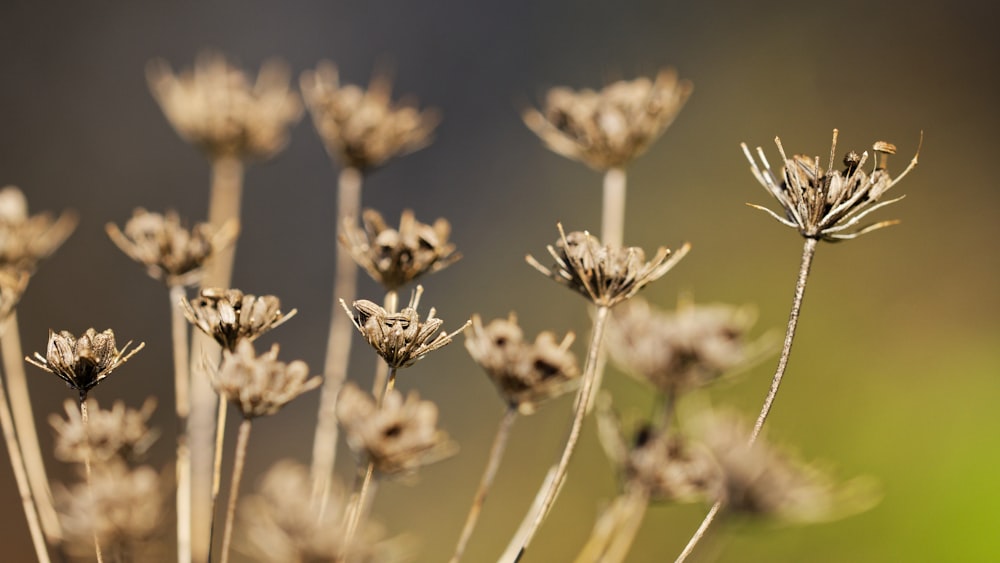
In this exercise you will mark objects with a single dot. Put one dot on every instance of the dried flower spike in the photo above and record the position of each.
(261, 385)
(525, 373)
(364, 128)
(828, 205)
(605, 275)
(399, 437)
(83, 363)
(394, 257)
(229, 315)
(24, 239)
(169, 251)
(118, 434)
(215, 107)
(400, 338)
(608, 129)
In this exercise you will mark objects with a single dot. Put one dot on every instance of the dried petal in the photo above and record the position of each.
(83, 363)
(261, 385)
(229, 315)
(24, 239)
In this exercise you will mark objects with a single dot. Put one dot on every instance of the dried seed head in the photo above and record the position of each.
(215, 107)
(605, 275)
(400, 338)
(229, 315)
(285, 521)
(169, 251)
(828, 204)
(525, 373)
(119, 434)
(261, 385)
(83, 363)
(400, 437)
(393, 257)
(608, 129)
(363, 128)
(681, 350)
(26, 239)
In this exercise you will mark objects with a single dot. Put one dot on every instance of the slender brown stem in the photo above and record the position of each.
(182, 383)
(808, 252)
(234, 487)
(220, 438)
(85, 418)
(493, 463)
(390, 304)
(338, 345)
(616, 529)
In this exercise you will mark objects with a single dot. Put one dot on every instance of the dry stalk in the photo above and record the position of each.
(89, 470)
(379, 382)
(182, 384)
(616, 528)
(234, 488)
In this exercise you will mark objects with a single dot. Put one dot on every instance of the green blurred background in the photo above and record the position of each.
(896, 371)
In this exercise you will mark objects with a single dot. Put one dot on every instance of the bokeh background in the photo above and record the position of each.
(896, 371)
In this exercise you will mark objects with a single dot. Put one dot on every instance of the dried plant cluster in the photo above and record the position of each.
(680, 453)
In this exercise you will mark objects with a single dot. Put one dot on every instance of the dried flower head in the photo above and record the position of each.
(229, 315)
(83, 362)
(118, 434)
(400, 338)
(681, 350)
(394, 257)
(605, 275)
(261, 385)
(169, 251)
(399, 437)
(122, 508)
(608, 129)
(215, 107)
(364, 128)
(286, 522)
(525, 373)
(12, 286)
(26, 239)
(828, 205)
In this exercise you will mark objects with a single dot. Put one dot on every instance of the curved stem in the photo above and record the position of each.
(85, 418)
(496, 454)
(234, 487)
(182, 383)
(616, 529)
(700, 532)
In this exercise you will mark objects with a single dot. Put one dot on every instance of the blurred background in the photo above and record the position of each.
(896, 371)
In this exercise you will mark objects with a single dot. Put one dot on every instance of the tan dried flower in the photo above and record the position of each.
(364, 128)
(261, 385)
(399, 437)
(229, 315)
(400, 338)
(24, 239)
(608, 129)
(394, 257)
(169, 251)
(83, 363)
(118, 434)
(525, 373)
(215, 107)
(286, 522)
(828, 205)
(605, 275)
(12, 286)
(681, 350)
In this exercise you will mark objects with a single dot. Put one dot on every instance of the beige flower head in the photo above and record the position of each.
(364, 128)
(605, 275)
(399, 437)
(261, 385)
(525, 373)
(395, 257)
(608, 129)
(120, 433)
(83, 362)
(27, 239)
(229, 315)
(829, 204)
(169, 251)
(216, 107)
(400, 338)
(12, 286)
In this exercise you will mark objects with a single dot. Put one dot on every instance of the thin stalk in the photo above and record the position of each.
(550, 489)
(338, 344)
(390, 304)
(220, 438)
(808, 252)
(182, 384)
(234, 488)
(21, 478)
(616, 529)
(493, 463)
(85, 418)
(24, 424)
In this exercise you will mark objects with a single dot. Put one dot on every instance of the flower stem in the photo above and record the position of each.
(808, 252)
(234, 487)
(615, 530)
(182, 383)
(338, 344)
(220, 438)
(85, 418)
(493, 463)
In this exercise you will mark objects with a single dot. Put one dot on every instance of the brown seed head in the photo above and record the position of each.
(119, 434)
(83, 363)
(229, 315)
(27, 239)
(261, 385)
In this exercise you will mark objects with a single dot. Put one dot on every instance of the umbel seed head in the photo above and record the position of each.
(83, 362)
